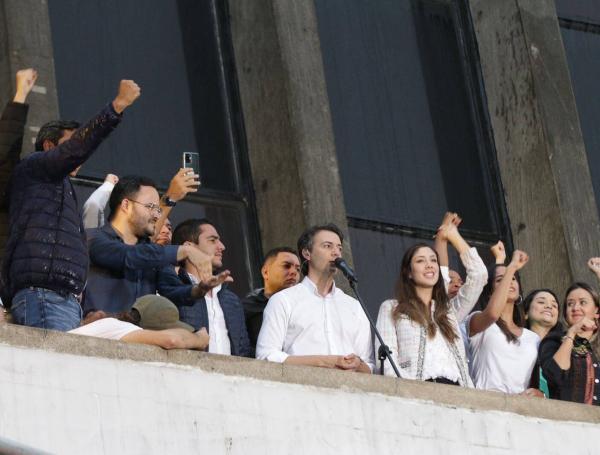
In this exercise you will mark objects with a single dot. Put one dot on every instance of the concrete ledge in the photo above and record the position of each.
(235, 366)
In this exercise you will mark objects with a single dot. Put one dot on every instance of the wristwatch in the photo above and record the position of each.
(167, 201)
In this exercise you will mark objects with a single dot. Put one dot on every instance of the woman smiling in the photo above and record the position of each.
(570, 362)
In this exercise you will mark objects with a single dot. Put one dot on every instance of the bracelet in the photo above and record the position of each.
(570, 338)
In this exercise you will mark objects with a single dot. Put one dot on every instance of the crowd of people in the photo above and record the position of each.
(137, 279)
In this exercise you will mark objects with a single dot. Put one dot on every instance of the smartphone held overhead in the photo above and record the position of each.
(191, 160)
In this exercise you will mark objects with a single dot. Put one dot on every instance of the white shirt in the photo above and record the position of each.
(217, 328)
(93, 208)
(110, 328)
(499, 365)
(299, 321)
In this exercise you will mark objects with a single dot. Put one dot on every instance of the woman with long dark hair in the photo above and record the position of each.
(541, 316)
(421, 324)
(570, 362)
(503, 351)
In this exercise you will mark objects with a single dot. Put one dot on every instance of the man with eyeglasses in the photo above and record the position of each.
(124, 262)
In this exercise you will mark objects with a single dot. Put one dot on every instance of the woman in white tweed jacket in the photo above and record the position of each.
(421, 326)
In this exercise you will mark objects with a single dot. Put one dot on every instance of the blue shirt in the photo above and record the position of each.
(121, 273)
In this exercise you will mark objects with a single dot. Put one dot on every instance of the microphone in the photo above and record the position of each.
(346, 270)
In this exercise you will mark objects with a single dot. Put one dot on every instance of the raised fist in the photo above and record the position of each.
(129, 91)
(594, 265)
(519, 259)
(499, 252)
(111, 178)
(25, 80)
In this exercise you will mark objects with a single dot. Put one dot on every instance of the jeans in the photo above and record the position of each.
(45, 309)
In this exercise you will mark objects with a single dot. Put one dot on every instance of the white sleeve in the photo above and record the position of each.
(364, 341)
(445, 271)
(93, 208)
(271, 338)
(469, 292)
(387, 329)
(110, 328)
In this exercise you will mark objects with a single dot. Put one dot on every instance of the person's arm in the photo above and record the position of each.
(180, 186)
(387, 328)
(63, 159)
(170, 338)
(93, 208)
(441, 246)
(169, 285)
(25, 80)
(554, 374)
(477, 275)
(363, 345)
(112, 254)
(14, 117)
(482, 320)
(563, 354)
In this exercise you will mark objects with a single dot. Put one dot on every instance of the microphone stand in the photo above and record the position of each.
(384, 350)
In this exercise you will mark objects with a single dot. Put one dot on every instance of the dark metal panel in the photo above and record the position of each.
(579, 10)
(583, 49)
(401, 112)
(171, 50)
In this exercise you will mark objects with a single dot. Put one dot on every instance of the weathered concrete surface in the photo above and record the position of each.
(540, 148)
(287, 119)
(71, 394)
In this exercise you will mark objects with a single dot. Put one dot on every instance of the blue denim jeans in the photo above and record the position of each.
(45, 309)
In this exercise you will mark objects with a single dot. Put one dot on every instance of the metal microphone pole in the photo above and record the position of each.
(384, 350)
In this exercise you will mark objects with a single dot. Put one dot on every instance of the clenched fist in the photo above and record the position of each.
(129, 91)
(25, 80)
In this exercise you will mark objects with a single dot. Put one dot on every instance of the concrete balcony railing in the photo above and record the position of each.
(63, 393)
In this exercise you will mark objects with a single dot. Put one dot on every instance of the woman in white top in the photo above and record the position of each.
(503, 352)
(421, 325)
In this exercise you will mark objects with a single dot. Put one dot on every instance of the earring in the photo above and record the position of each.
(519, 300)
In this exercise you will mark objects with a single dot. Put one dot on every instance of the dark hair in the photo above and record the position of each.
(189, 230)
(127, 187)
(518, 315)
(411, 305)
(53, 132)
(273, 253)
(527, 304)
(306, 239)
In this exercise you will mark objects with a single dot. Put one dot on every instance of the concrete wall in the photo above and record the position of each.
(70, 394)
(541, 154)
(287, 119)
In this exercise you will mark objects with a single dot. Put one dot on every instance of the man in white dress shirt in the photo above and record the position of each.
(314, 322)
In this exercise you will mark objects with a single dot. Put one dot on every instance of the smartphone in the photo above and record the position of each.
(192, 160)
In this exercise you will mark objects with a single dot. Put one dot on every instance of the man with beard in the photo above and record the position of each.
(124, 262)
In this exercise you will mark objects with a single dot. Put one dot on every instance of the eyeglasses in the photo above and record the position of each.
(150, 206)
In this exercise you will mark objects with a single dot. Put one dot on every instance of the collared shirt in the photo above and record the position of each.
(299, 321)
(121, 273)
(219, 338)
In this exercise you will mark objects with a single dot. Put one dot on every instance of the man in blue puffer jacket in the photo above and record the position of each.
(45, 263)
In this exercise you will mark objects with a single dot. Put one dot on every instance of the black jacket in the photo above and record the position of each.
(12, 125)
(46, 244)
(254, 306)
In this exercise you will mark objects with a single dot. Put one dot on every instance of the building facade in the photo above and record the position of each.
(376, 115)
